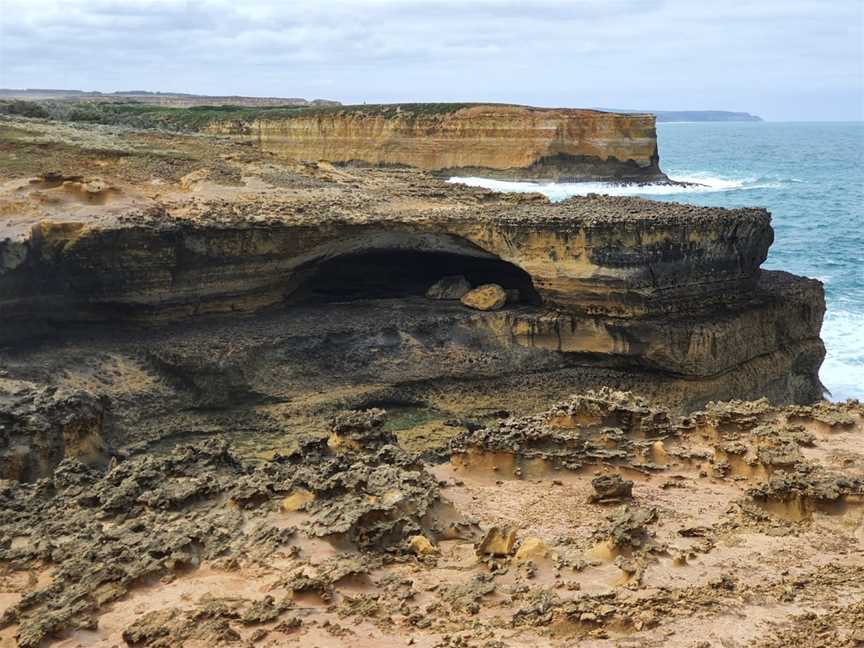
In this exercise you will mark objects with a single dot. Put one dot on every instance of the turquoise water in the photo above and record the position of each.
(810, 176)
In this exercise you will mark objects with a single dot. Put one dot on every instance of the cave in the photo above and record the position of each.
(399, 273)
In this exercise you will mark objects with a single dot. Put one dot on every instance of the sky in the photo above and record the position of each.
(780, 59)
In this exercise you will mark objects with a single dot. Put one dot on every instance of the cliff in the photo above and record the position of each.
(230, 281)
(508, 142)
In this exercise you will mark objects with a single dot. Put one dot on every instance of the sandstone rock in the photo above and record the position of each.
(672, 292)
(553, 144)
(486, 297)
(498, 541)
(193, 179)
(453, 287)
(297, 500)
(421, 546)
(531, 549)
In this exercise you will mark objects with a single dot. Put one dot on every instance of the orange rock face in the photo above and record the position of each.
(509, 142)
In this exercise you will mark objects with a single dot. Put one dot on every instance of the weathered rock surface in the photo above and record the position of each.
(190, 546)
(150, 516)
(667, 288)
(41, 426)
(513, 142)
(129, 296)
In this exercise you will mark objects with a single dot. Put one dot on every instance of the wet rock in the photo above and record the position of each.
(611, 488)
(454, 287)
(485, 298)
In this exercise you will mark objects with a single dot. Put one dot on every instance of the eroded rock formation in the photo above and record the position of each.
(328, 269)
(500, 141)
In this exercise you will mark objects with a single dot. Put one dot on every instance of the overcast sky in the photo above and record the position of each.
(782, 59)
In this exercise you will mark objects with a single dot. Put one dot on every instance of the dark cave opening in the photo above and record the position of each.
(392, 274)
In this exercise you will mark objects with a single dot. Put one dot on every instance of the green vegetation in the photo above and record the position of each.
(196, 118)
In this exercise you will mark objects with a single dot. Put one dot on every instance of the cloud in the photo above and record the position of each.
(786, 58)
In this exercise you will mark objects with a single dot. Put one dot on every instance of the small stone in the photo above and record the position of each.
(485, 298)
(421, 546)
(453, 287)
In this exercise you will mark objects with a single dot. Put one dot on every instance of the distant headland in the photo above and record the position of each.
(695, 115)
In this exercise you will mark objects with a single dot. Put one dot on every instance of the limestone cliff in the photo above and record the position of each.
(245, 290)
(510, 142)
(619, 282)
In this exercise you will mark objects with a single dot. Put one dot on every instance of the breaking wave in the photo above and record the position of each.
(843, 369)
(696, 184)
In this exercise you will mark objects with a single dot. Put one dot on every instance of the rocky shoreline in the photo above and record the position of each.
(251, 400)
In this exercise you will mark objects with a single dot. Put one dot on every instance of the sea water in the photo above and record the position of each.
(809, 175)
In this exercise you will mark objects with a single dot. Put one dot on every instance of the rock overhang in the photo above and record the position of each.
(657, 287)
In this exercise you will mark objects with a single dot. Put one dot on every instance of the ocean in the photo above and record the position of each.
(810, 176)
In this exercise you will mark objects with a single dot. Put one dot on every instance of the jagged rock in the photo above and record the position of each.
(485, 298)
(572, 432)
(454, 287)
(497, 541)
(167, 513)
(40, 426)
(611, 488)
(628, 527)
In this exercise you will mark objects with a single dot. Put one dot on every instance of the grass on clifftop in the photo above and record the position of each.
(196, 118)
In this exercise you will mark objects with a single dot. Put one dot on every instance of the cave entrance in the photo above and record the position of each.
(392, 274)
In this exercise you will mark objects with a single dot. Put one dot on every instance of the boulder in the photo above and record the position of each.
(453, 287)
(486, 297)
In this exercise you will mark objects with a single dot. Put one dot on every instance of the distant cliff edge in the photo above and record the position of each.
(500, 141)
(173, 99)
(696, 115)
(491, 140)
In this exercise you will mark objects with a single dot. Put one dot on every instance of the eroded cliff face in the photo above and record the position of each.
(260, 291)
(509, 142)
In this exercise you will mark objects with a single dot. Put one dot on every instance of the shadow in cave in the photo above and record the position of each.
(393, 274)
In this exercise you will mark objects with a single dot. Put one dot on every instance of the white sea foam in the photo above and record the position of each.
(843, 370)
(555, 191)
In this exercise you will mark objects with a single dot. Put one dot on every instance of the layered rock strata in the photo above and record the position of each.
(141, 278)
(669, 288)
(499, 141)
